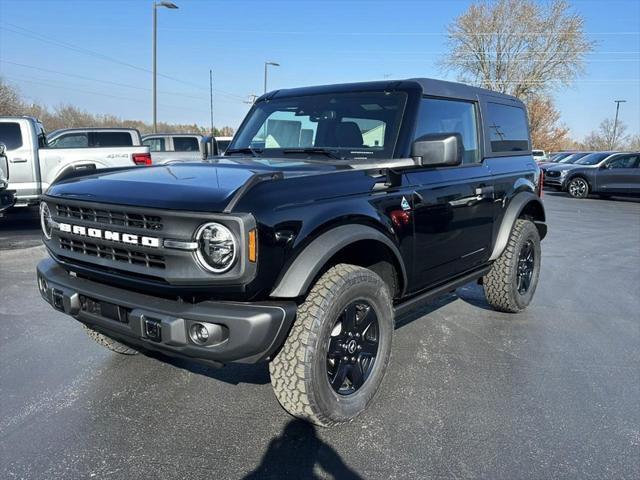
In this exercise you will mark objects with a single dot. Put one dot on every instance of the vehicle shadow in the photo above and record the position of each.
(298, 452)
(232, 373)
(471, 293)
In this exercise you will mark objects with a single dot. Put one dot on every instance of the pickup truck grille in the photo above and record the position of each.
(110, 217)
(117, 254)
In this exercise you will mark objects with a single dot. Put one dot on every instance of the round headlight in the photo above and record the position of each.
(217, 247)
(46, 222)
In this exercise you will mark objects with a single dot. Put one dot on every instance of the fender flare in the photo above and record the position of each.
(297, 279)
(519, 202)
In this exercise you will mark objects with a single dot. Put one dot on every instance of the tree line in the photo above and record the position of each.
(68, 116)
(530, 49)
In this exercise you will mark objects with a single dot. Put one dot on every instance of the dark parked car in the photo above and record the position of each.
(604, 173)
(566, 160)
(334, 209)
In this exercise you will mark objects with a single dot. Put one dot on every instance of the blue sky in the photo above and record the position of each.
(315, 43)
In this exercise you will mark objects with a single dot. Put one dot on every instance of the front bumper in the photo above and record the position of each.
(242, 332)
(555, 182)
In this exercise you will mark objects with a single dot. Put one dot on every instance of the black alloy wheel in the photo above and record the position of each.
(353, 347)
(526, 264)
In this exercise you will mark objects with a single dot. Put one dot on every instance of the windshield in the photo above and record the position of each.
(592, 159)
(346, 126)
(573, 157)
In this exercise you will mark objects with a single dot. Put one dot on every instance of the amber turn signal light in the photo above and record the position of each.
(253, 246)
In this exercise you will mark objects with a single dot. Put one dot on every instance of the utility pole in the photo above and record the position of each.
(154, 73)
(615, 123)
(211, 98)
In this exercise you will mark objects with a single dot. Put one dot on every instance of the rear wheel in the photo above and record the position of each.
(578, 188)
(510, 284)
(332, 363)
(110, 343)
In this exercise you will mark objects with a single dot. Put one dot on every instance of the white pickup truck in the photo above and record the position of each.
(179, 147)
(32, 166)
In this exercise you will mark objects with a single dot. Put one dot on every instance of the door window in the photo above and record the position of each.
(507, 126)
(154, 144)
(627, 161)
(10, 135)
(72, 140)
(185, 144)
(451, 116)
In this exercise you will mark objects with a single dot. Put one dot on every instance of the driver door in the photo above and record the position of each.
(453, 206)
(620, 175)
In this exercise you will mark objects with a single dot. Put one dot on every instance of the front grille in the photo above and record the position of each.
(116, 254)
(110, 217)
(552, 174)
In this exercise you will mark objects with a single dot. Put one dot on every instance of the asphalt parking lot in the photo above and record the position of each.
(553, 392)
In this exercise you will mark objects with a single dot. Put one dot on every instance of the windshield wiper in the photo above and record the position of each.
(254, 152)
(319, 150)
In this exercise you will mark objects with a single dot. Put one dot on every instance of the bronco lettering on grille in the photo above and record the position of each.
(110, 235)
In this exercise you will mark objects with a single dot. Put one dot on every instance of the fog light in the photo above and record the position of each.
(199, 333)
(42, 283)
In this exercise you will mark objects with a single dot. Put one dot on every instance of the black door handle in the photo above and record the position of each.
(485, 192)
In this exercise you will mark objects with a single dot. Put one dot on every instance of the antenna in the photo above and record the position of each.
(211, 98)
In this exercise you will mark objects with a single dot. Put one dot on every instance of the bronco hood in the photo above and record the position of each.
(186, 186)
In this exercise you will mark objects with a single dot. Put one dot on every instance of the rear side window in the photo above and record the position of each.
(10, 135)
(110, 139)
(507, 127)
(185, 144)
(450, 116)
(72, 140)
(154, 144)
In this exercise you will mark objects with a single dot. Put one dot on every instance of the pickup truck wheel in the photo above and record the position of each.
(510, 284)
(110, 343)
(332, 363)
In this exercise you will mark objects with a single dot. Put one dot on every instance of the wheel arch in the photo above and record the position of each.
(522, 205)
(356, 244)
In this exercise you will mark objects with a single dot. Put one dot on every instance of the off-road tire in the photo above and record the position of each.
(110, 343)
(299, 372)
(500, 284)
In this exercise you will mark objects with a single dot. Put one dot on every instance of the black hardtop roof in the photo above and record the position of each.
(429, 86)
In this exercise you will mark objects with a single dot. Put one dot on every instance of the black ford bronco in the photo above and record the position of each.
(333, 209)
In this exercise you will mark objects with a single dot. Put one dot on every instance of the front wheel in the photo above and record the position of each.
(510, 284)
(332, 363)
(578, 188)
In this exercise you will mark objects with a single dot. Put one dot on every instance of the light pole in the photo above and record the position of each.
(266, 64)
(615, 123)
(172, 6)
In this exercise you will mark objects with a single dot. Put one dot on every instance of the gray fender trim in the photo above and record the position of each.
(517, 204)
(304, 269)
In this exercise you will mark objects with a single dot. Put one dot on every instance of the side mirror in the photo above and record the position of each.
(438, 150)
(3, 149)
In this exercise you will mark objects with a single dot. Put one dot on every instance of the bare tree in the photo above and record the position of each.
(603, 138)
(10, 101)
(519, 47)
(68, 116)
(546, 131)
